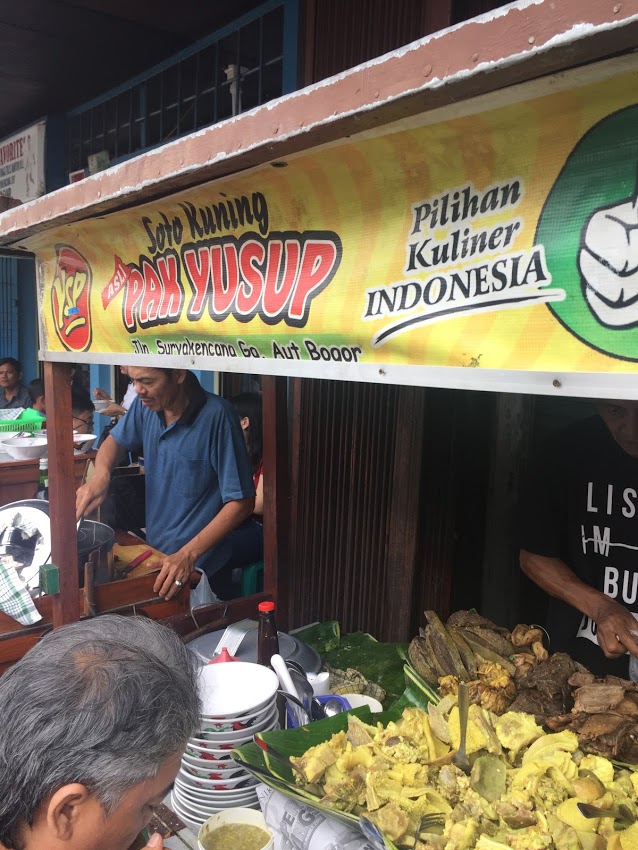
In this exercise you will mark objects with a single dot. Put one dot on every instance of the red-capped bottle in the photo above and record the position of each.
(267, 638)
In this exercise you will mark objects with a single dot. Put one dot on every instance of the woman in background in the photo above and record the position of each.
(248, 406)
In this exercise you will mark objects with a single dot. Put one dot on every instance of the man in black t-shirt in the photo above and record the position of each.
(579, 539)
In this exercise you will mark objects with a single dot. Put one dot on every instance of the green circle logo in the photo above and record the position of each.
(589, 229)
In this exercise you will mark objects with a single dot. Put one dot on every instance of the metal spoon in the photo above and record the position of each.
(460, 759)
(332, 707)
(316, 710)
(372, 832)
(302, 685)
(297, 708)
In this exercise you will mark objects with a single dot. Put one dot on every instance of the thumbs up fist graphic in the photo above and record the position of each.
(608, 263)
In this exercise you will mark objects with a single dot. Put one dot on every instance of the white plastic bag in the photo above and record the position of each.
(299, 827)
(202, 594)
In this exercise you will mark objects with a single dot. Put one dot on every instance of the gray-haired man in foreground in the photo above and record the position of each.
(94, 721)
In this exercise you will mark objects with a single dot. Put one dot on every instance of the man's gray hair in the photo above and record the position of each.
(103, 703)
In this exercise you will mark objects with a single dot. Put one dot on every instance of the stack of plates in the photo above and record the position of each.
(238, 700)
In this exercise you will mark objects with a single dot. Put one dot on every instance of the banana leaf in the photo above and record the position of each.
(378, 662)
(322, 637)
(417, 692)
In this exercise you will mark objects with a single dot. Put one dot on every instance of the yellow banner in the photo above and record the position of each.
(504, 240)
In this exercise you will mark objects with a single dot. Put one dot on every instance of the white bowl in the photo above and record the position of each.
(84, 438)
(212, 785)
(27, 448)
(235, 688)
(204, 756)
(224, 768)
(201, 744)
(194, 795)
(230, 744)
(205, 772)
(208, 772)
(238, 721)
(183, 808)
(192, 820)
(205, 809)
(222, 783)
(9, 435)
(218, 748)
(241, 733)
(235, 815)
(358, 700)
(100, 405)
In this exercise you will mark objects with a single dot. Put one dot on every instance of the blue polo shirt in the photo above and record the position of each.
(193, 467)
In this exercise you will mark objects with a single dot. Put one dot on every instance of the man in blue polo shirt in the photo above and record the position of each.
(199, 483)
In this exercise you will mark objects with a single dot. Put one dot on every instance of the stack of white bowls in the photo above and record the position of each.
(238, 700)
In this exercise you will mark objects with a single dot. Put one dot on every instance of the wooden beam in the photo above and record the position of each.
(64, 548)
(276, 494)
(509, 45)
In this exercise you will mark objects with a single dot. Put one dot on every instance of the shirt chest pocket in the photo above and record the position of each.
(187, 475)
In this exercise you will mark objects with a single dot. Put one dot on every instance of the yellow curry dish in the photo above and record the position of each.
(524, 792)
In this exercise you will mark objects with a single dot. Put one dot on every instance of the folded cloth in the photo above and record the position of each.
(15, 599)
(351, 681)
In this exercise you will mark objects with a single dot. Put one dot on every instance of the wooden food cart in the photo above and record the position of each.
(430, 219)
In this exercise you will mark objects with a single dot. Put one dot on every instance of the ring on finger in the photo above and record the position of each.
(178, 582)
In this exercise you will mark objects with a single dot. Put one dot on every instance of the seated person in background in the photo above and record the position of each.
(13, 393)
(95, 718)
(247, 540)
(114, 409)
(36, 393)
(83, 411)
(249, 408)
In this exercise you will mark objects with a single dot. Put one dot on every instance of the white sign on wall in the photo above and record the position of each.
(22, 163)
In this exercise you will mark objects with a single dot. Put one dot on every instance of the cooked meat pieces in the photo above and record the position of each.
(606, 734)
(526, 635)
(595, 698)
(463, 619)
(580, 679)
(544, 690)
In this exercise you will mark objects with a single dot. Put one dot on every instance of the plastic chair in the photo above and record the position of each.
(252, 578)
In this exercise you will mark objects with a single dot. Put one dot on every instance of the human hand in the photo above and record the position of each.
(608, 263)
(614, 626)
(155, 842)
(101, 395)
(90, 496)
(175, 568)
(112, 410)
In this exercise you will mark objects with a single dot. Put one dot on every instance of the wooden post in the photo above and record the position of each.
(276, 493)
(436, 16)
(403, 530)
(510, 440)
(64, 549)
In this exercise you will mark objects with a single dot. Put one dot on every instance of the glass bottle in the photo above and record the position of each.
(267, 638)
(43, 481)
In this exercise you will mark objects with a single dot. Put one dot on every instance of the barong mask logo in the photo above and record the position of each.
(589, 227)
(70, 299)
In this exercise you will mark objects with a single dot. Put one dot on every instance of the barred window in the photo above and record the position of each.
(227, 73)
